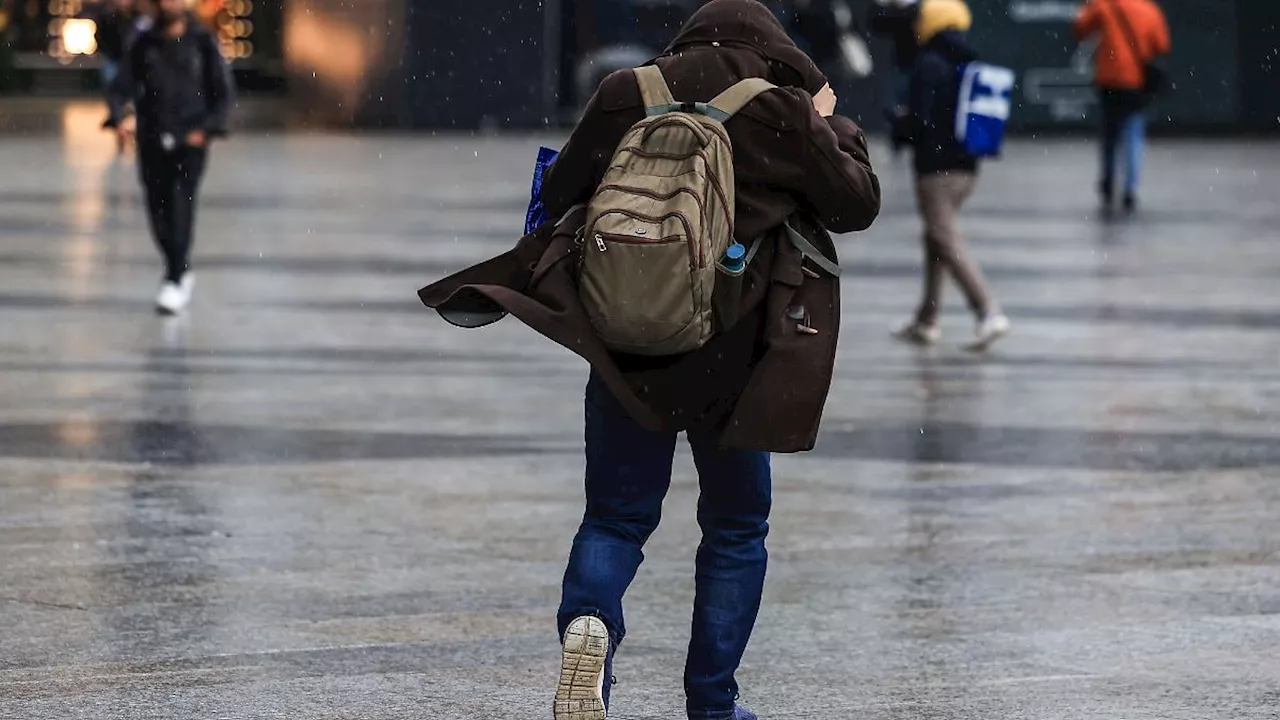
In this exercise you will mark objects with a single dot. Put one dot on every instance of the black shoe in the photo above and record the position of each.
(1107, 193)
(1130, 202)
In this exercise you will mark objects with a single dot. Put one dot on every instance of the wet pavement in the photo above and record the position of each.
(312, 499)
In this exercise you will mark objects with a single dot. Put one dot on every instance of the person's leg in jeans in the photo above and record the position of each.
(628, 473)
(159, 181)
(733, 512)
(1135, 142)
(189, 165)
(1112, 121)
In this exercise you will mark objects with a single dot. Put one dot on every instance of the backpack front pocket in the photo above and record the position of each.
(642, 293)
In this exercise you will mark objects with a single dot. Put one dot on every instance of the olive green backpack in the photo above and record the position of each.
(661, 222)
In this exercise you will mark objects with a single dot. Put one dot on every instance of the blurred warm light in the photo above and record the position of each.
(78, 36)
(78, 431)
(91, 154)
(333, 52)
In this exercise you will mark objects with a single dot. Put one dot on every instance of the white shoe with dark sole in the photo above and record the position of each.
(580, 693)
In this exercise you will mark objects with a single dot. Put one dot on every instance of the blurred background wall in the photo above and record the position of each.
(489, 64)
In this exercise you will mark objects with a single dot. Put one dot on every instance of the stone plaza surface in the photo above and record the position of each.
(311, 498)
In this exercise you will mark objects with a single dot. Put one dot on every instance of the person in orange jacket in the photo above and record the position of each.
(1131, 34)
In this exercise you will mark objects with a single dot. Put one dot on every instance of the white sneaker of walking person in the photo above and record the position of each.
(173, 297)
(990, 329)
(915, 332)
(586, 666)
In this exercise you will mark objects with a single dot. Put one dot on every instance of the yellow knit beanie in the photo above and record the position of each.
(940, 15)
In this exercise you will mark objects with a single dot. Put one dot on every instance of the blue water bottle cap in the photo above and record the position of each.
(734, 259)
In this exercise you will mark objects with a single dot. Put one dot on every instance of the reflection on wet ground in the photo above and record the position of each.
(310, 499)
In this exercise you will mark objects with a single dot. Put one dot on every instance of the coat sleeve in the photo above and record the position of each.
(836, 180)
(1088, 21)
(923, 98)
(1163, 44)
(218, 87)
(124, 88)
(577, 172)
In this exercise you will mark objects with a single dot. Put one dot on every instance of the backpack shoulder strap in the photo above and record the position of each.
(810, 251)
(654, 92)
(728, 103)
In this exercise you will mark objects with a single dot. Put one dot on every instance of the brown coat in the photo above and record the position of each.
(762, 384)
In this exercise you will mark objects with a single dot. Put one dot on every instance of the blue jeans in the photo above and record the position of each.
(628, 473)
(1124, 127)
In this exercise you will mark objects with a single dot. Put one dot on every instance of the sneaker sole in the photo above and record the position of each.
(578, 694)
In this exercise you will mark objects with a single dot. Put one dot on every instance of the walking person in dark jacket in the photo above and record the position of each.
(946, 175)
(757, 386)
(174, 93)
(119, 24)
(896, 20)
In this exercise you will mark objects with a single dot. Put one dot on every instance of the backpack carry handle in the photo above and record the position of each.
(693, 126)
(658, 100)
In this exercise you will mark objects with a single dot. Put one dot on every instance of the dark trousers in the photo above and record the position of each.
(1124, 125)
(171, 180)
(628, 473)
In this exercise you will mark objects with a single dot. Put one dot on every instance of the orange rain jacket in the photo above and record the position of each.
(1119, 63)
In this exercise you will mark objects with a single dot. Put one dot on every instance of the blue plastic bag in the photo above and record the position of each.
(986, 97)
(537, 214)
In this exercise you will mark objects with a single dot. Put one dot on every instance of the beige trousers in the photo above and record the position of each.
(939, 197)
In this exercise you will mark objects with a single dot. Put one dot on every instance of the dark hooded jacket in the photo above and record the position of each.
(935, 94)
(898, 23)
(761, 384)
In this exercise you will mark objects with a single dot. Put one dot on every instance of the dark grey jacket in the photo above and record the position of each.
(175, 85)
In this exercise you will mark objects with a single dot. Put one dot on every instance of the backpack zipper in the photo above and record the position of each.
(695, 254)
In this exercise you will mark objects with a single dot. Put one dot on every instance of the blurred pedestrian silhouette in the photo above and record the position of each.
(1132, 36)
(896, 20)
(173, 93)
(946, 174)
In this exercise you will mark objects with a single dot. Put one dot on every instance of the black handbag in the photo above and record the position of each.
(1154, 76)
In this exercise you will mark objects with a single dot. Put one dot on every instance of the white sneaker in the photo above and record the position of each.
(917, 333)
(580, 692)
(173, 297)
(990, 329)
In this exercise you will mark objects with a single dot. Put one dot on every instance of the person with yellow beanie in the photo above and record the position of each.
(946, 174)
(937, 16)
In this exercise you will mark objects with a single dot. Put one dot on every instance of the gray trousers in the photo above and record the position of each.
(939, 197)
